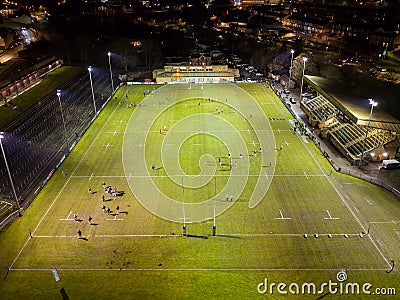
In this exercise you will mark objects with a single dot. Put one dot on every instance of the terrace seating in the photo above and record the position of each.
(352, 139)
(320, 108)
(33, 145)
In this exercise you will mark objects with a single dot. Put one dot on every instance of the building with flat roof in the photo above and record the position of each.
(188, 73)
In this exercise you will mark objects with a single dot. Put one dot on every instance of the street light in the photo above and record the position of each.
(302, 77)
(9, 175)
(91, 84)
(62, 114)
(373, 104)
(109, 62)
(291, 66)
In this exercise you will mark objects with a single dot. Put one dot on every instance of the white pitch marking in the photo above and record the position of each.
(282, 217)
(368, 201)
(91, 175)
(188, 269)
(254, 144)
(121, 121)
(115, 219)
(115, 132)
(287, 144)
(305, 175)
(68, 219)
(304, 139)
(330, 217)
(108, 145)
(356, 209)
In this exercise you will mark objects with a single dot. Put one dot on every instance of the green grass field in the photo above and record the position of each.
(278, 197)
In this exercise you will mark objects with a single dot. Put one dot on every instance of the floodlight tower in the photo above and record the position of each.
(302, 77)
(91, 85)
(9, 175)
(291, 66)
(109, 62)
(373, 104)
(62, 114)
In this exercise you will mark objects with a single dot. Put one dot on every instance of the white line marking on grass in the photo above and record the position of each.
(115, 219)
(216, 175)
(250, 235)
(287, 144)
(330, 180)
(193, 269)
(368, 201)
(330, 217)
(121, 121)
(389, 222)
(62, 189)
(115, 132)
(90, 178)
(356, 209)
(282, 217)
(305, 174)
(68, 219)
(108, 145)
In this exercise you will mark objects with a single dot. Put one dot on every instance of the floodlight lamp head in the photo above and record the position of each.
(58, 93)
(291, 51)
(1, 135)
(90, 69)
(109, 53)
(305, 59)
(372, 102)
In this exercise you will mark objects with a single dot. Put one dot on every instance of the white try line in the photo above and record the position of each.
(330, 217)
(197, 269)
(282, 217)
(250, 235)
(200, 175)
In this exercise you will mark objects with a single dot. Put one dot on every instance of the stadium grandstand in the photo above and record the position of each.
(37, 142)
(354, 128)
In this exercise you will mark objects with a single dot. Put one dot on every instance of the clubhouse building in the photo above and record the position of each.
(197, 70)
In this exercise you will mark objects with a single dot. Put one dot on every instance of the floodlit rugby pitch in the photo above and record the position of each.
(278, 212)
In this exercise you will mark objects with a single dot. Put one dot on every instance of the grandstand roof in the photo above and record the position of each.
(356, 108)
